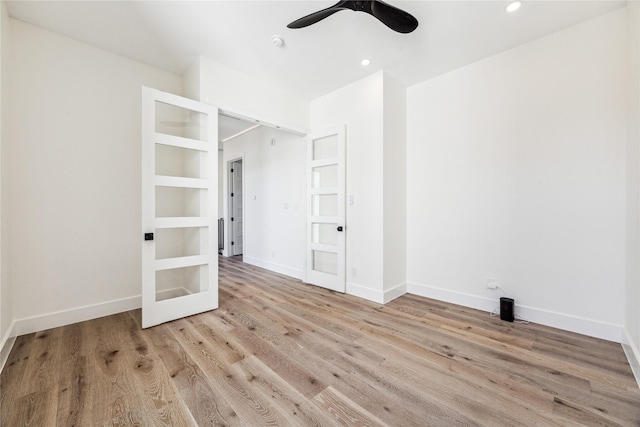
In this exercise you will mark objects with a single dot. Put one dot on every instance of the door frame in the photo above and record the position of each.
(227, 252)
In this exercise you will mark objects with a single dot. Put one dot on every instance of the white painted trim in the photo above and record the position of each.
(226, 202)
(75, 315)
(479, 303)
(580, 325)
(365, 293)
(7, 344)
(633, 355)
(373, 295)
(395, 292)
(296, 273)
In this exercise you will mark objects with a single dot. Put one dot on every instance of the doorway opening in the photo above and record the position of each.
(268, 186)
(235, 203)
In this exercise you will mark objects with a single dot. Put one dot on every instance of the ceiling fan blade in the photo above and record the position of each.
(317, 16)
(394, 18)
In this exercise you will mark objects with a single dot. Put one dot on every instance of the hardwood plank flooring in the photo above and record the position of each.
(279, 352)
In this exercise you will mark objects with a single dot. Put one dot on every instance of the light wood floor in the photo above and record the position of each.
(281, 353)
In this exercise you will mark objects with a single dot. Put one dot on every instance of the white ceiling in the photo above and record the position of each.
(314, 60)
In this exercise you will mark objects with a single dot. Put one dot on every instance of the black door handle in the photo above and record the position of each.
(148, 236)
(340, 228)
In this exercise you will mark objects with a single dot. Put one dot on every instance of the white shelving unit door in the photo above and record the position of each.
(326, 209)
(179, 207)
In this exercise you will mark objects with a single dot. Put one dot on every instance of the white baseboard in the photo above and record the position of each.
(466, 300)
(565, 322)
(6, 344)
(580, 325)
(277, 268)
(365, 293)
(74, 315)
(395, 292)
(374, 295)
(633, 355)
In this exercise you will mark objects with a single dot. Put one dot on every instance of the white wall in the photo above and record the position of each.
(75, 204)
(6, 295)
(632, 297)
(359, 106)
(191, 82)
(274, 198)
(395, 186)
(516, 171)
(242, 94)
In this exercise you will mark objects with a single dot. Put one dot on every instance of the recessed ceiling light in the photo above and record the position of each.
(513, 6)
(277, 40)
(365, 62)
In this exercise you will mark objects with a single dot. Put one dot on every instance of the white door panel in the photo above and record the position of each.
(179, 203)
(326, 209)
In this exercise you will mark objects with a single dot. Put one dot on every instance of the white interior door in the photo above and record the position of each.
(237, 201)
(179, 207)
(326, 209)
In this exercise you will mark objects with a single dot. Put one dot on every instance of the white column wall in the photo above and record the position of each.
(359, 106)
(395, 188)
